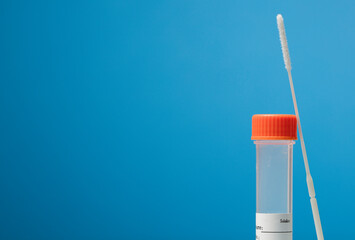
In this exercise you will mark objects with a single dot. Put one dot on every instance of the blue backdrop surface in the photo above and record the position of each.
(132, 119)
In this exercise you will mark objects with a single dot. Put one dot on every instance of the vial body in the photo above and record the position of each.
(274, 189)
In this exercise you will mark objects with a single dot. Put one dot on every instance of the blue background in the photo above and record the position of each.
(132, 119)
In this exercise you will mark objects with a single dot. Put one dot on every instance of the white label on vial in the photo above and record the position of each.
(273, 226)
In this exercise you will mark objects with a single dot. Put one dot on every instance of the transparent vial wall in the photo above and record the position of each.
(274, 189)
(274, 176)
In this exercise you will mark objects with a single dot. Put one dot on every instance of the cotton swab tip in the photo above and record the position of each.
(279, 17)
(284, 46)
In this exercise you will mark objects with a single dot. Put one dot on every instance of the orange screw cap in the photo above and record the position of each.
(274, 127)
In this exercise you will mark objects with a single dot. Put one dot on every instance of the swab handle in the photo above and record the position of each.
(310, 185)
(314, 205)
(316, 219)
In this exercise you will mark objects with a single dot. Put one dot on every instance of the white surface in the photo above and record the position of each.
(273, 226)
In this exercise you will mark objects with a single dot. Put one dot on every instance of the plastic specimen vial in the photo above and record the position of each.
(273, 135)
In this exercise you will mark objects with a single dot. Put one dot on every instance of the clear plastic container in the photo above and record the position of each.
(274, 135)
(274, 176)
(274, 189)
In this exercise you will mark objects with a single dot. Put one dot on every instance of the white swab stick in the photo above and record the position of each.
(311, 191)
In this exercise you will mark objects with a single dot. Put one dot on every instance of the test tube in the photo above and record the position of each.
(273, 135)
